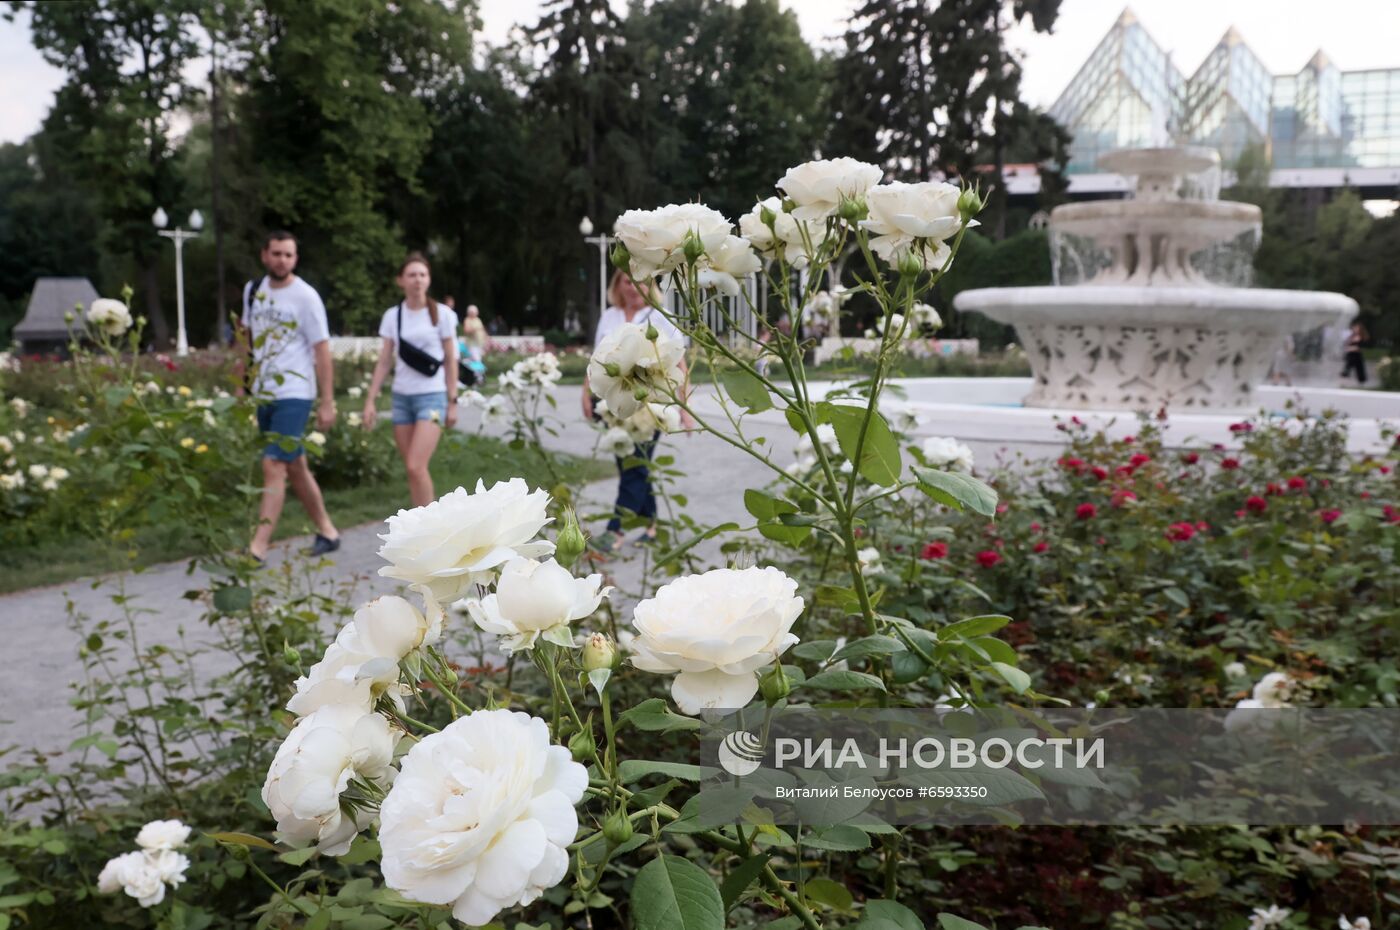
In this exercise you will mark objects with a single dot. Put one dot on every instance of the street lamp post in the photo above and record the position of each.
(178, 236)
(602, 241)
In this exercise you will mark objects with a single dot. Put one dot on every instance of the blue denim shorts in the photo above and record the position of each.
(415, 408)
(287, 417)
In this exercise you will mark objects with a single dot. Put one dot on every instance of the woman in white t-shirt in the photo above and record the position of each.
(423, 403)
(634, 494)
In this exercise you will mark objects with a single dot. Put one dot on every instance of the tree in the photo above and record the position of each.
(336, 122)
(125, 61)
(929, 87)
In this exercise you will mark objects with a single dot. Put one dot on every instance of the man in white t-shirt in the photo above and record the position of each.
(284, 327)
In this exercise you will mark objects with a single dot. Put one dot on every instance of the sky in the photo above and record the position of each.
(1355, 34)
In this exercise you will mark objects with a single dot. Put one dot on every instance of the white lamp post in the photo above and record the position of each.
(178, 236)
(602, 241)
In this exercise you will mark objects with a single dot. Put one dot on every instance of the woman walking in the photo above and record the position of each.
(419, 339)
(1354, 360)
(634, 493)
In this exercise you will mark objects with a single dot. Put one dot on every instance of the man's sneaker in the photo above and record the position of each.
(322, 545)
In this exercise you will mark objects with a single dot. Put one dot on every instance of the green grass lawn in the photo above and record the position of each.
(460, 462)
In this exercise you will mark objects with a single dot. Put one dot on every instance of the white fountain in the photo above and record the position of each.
(1150, 308)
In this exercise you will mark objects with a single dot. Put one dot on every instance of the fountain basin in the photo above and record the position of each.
(1121, 347)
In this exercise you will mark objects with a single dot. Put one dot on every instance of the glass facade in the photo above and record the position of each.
(1128, 94)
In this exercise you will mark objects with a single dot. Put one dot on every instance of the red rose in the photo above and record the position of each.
(1124, 471)
(1035, 527)
(1256, 504)
(1241, 427)
(1129, 440)
(935, 550)
(1330, 516)
(1099, 473)
(1122, 497)
(1296, 483)
(988, 558)
(1041, 546)
(1086, 511)
(1229, 464)
(1072, 463)
(1139, 459)
(1202, 525)
(1191, 458)
(1180, 532)
(1272, 490)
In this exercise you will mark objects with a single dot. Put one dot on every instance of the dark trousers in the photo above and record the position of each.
(634, 486)
(1355, 361)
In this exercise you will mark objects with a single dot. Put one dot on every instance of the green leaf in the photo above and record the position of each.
(954, 922)
(825, 891)
(844, 680)
(840, 838)
(768, 509)
(242, 839)
(1017, 679)
(879, 453)
(973, 626)
(232, 599)
(740, 877)
(1178, 597)
(876, 645)
(888, 915)
(630, 770)
(956, 490)
(298, 856)
(795, 421)
(746, 390)
(598, 678)
(361, 851)
(321, 921)
(654, 716)
(672, 893)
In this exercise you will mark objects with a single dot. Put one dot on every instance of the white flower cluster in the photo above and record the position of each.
(48, 478)
(20, 406)
(1271, 916)
(635, 365)
(110, 316)
(824, 309)
(533, 371)
(145, 873)
(657, 242)
(947, 453)
(621, 434)
(1271, 692)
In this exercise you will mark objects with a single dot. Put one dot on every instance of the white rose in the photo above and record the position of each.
(314, 766)
(163, 834)
(5, 445)
(1268, 917)
(363, 662)
(817, 187)
(716, 630)
(947, 453)
(463, 537)
(654, 238)
(316, 438)
(784, 240)
(38, 471)
(1361, 923)
(627, 364)
(925, 317)
(354, 390)
(896, 323)
(733, 259)
(1235, 670)
(110, 316)
(1273, 690)
(168, 865)
(926, 210)
(535, 599)
(136, 873)
(481, 816)
(869, 559)
(619, 442)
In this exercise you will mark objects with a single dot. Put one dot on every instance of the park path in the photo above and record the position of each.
(40, 653)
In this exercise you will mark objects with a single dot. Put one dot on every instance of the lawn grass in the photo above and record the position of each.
(459, 462)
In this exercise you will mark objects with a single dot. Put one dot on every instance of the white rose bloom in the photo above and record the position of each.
(896, 323)
(947, 453)
(716, 630)
(784, 240)
(354, 390)
(869, 559)
(136, 874)
(314, 766)
(1268, 917)
(651, 368)
(38, 471)
(110, 316)
(471, 398)
(163, 834)
(363, 662)
(463, 537)
(481, 815)
(732, 260)
(5, 445)
(1360, 923)
(316, 438)
(169, 865)
(49, 484)
(495, 410)
(1235, 670)
(816, 187)
(12, 481)
(925, 317)
(654, 238)
(535, 599)
(922, 210)
(618, 441)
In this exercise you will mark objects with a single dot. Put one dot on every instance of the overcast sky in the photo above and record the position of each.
(1284, 34)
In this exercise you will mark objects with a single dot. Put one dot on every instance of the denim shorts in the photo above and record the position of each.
(415, 408)
(287, 417)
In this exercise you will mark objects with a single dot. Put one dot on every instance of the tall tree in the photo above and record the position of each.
(929, 87)
(336, 121)
(125, 61)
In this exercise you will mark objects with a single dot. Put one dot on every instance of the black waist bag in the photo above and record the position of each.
(414, 357)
